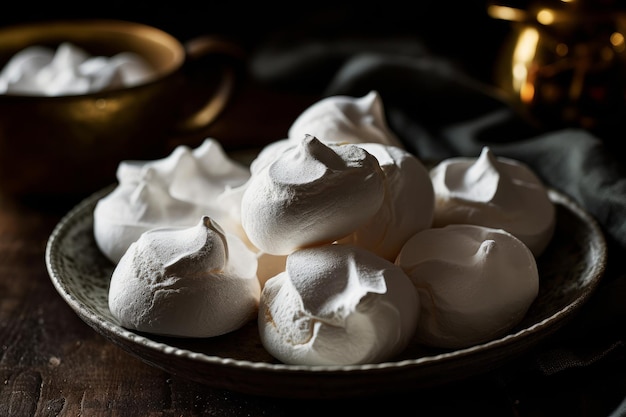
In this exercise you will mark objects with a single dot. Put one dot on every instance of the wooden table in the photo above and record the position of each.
(53, 364)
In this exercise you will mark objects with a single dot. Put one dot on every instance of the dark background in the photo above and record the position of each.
(460, 30)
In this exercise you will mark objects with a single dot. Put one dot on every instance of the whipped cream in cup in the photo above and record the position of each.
(79, 96)
(69, 69)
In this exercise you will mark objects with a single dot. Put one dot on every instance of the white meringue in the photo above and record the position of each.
(337, 305)
(173, 191)
(475, 283)
(268, 264)
(205, 176)
(134, 208)
(69, 70)
(408, 206)
(270, 152)
(345, 119)
(312, 194)
(185, 282)
(494, 192)
(334, 119)
(195, 175)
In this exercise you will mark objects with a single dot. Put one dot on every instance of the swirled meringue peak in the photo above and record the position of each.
(345, 119)
(408, 206)
(311, 194)
(494, 192)
(173, 191)
(134, 208)
(475, 283)
(181, 282)
(337, 305)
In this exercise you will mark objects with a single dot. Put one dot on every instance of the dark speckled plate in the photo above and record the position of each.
(570, 270)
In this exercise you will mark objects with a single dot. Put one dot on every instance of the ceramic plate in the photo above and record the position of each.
(570, 270)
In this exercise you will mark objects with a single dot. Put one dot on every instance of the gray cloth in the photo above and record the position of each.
(438, 111)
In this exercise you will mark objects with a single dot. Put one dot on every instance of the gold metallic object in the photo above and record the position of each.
(73, 144)
(564, 62)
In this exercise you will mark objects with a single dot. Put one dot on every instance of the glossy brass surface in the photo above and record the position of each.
(73, 144)
(564, 62)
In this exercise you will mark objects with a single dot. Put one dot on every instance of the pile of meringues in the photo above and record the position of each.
(340, 243)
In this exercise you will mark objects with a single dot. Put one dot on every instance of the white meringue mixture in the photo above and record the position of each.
(70, 70)
(335, 242)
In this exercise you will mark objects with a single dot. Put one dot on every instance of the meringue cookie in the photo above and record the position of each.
(312, 194)
(337, 305)
(335, 119)
(268, 264)
(185, 282)
(173, 191)
(494, 192)
(205, 176)
(134, 208)
(270, 152)
(408, 206)
(475, 283)
(69, 70)
(345, 119)
(195, 175)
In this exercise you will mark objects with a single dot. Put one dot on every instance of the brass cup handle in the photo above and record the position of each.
(211, 54)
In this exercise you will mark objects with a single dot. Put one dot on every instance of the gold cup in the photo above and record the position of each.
(564, 62)
(73, 144)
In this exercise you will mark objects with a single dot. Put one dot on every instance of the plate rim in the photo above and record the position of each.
(109, 329)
